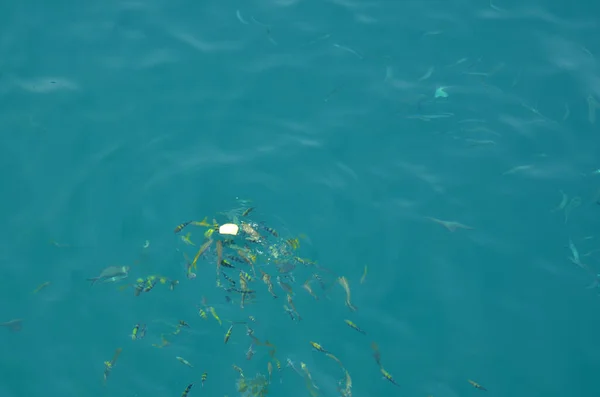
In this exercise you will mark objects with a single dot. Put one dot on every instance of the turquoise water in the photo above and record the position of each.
(120, 120)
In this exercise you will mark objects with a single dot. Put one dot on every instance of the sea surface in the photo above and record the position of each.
(357, 127)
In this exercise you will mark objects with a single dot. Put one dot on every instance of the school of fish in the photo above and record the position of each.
(257, 261)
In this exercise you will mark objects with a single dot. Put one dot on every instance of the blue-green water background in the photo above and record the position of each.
(119, 120)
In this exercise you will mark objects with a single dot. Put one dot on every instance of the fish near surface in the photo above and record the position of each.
(111, 274)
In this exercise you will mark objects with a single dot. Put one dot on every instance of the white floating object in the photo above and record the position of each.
(229, 228)
(440, 93)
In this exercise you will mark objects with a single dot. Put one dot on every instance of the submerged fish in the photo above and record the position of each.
(111, 274)
(13, 325)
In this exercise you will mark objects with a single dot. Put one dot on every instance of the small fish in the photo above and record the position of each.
(344, 283)
(186, 239)
(181, 226)
(243, 288)
(291, 303)
(334, 358)
(269, 230)
(574, 252)
(476, 385)
(290, 312)
(14, 325)
(266, 278)
(219, 255)
(308, 288)
(163, 342)
(354, 326)
(229, 279)
(310, 384)
(284, 286)
(214, 314)
(204, 376)
(318, 347)
(247, 211)
(563, 202)
(184, 361)
(290, 363)
(41, 287)
(348, 49)
(364, 276)
(204, 222)
(429, 117)
(518, 168)
(142, 332)
(376, 353)
(227, 264)
(111, 274)
(460, 61)
(182, 323)
(270, 370)
(306, 371)
(187, 390)
(294, 243)
(388, 376)
(202, 314)
(248, 260)
(271, 291)
(150, 283)
(250, 352)
(479, 142)
(238, 369)
(138, 287)
(290, 277)
(134, 332)
(320, 281)
(228, 334)
(450, 225)
(278, 365)
(347, 391)
(248, 277)
(109, 365)
(202, 249)
(427, 74)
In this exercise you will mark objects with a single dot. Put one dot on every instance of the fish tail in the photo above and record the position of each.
(93, 280)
